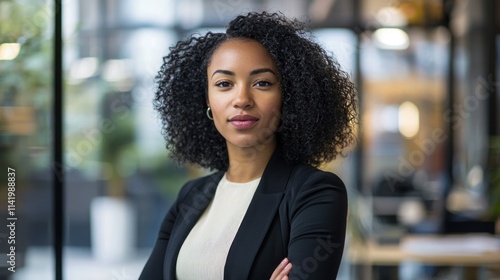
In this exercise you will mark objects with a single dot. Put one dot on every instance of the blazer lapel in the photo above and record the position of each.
(190, 210)
(258, 218)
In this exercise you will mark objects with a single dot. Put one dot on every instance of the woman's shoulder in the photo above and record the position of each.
(314, 189)
(304, 175)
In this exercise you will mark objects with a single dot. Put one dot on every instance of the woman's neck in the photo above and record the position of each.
(247, 164)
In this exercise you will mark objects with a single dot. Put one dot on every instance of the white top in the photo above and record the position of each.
(203, 254)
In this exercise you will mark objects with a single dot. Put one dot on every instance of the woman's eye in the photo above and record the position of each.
(223, 84)
(263, 84)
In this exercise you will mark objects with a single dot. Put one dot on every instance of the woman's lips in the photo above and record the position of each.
(243, 121)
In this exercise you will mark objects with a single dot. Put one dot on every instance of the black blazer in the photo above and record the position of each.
(297, 212)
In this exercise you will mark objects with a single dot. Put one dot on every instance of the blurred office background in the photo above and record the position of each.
(427, 160)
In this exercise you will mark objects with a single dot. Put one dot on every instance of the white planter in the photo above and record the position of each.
(113, 229)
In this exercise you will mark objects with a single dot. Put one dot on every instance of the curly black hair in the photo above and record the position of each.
(319, 100)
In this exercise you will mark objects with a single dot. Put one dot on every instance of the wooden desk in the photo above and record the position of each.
(371, 254)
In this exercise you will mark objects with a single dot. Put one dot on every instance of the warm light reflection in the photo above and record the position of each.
(9, 51)
(409, 122)
(391, 38)
(17, 120)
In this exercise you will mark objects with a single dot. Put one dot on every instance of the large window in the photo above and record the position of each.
(120, 181)
(404, 133)
(25, 138)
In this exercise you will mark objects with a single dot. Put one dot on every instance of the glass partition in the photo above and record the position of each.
(120, 180)
(26, 139)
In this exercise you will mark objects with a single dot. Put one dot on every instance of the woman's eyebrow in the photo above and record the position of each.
(253, 72)
(227, 72)
(261, 70)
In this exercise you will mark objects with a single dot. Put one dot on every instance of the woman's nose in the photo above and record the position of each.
(243, 98)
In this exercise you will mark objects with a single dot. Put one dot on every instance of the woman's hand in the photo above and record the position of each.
(281, 272)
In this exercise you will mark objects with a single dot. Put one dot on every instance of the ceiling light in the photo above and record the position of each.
(391, 38)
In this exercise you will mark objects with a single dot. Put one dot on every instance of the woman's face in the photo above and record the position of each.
(244, 93)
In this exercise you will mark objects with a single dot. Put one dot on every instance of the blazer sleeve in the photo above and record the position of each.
(153, 270)
(317, 228)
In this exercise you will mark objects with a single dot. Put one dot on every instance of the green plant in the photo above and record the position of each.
(118, 147)
(26, 83)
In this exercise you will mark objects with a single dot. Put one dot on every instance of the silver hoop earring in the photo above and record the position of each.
(208, 113)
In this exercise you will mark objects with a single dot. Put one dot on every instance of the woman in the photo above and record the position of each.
(263, 105)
